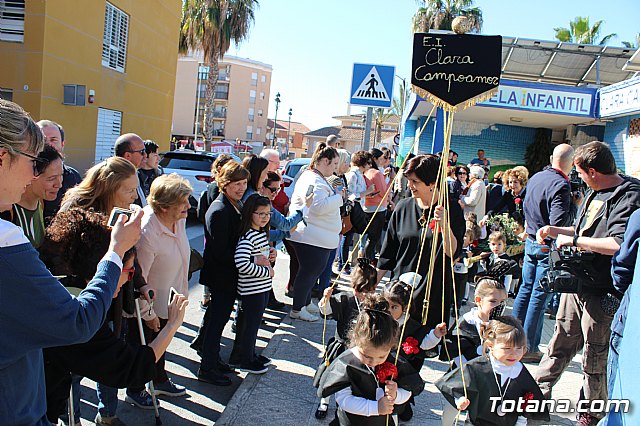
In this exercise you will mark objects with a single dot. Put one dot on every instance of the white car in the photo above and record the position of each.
(195, 166)
(291, 171)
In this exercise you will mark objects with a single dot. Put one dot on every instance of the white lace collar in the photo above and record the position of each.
(506, 372)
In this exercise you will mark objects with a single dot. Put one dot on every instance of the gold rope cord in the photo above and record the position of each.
(453, 108)
(356, 245)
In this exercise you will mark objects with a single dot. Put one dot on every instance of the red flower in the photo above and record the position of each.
(432, 226)
(475, 243)
(525, 399)
(386, 371)
(518, 201)
(410, 346)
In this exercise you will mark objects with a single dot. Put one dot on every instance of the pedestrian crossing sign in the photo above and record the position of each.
(372, 85)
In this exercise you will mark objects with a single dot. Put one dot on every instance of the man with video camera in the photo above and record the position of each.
(584, 317)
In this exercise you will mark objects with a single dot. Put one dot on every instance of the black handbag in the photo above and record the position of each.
(196, 262)
(358, 217)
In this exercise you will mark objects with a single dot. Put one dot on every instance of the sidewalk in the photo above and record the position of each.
(285, 395)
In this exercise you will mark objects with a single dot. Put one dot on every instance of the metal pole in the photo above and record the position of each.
(289, 133)
(367, 130)
(143, 341)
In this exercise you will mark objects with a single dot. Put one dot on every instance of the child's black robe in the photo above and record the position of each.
(481, 385)
(348, 371)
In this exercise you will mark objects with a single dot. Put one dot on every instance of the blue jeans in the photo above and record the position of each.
(554, 303)
(325, 277)
(531, 301)
(345, 248)
(107, 400)
(216, 317)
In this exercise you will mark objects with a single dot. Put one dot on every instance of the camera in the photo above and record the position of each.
(569, 270)
(577, 185)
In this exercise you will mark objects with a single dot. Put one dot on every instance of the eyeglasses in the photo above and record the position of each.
(142, 151)
(130, 272)
(263, 215)
(39, 164)
(273, 190)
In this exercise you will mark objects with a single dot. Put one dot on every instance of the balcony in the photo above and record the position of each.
(219, 114)
(221, 95)
(218, 133)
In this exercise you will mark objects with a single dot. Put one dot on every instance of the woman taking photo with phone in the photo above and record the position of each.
(318, 236)
(36, 311)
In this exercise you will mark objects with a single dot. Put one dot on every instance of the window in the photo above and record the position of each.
(259, 113)
(74, 94)
(262, 95)
(251, 115)
(263, 78)
(249, 132)
(258, 130)
(114, 41)
(12, 21)
(222, 91)
(6, 94)
(109, 128)
(252, 96)
(203, 72)
(254, 78)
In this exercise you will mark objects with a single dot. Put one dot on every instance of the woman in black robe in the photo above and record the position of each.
(401, 247)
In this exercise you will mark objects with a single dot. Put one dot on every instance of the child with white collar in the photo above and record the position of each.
(496, 381)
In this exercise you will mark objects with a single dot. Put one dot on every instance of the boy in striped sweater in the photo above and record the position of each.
(253, 255)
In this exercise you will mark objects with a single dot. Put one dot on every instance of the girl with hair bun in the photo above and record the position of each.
(417, 338)
(344, 309)
(499, 388)
(367, 384)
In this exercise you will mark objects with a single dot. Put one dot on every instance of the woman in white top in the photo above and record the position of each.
(314, 239)
(474, 196)
(163, 256)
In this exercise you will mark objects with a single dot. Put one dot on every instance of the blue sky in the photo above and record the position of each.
(312, 45)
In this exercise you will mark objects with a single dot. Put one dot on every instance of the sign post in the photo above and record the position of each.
(371, 86)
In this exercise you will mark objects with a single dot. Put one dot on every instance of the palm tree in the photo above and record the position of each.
(380, 116)
(211, 26)
(632, 45)
(581, 32)
(439, 14)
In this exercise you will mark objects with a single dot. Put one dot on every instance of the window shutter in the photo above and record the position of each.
(12, 20)
(114, 42)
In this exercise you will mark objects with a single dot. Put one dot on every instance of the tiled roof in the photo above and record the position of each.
(393, 119)
(284, 125)
(324, 131)
(347, 132)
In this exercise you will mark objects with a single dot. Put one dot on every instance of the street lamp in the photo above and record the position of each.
(275, 121)
(289, 131)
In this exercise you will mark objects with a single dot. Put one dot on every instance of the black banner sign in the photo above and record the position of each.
(456, 70)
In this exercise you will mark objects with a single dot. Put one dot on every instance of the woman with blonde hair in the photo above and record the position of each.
(163, 255)
(110, 183)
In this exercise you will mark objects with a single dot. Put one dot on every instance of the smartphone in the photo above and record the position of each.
(115, 215)
(172, 293)
(310, 190)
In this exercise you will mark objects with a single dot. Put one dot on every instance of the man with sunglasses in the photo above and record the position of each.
(54, 135)
(131, 147)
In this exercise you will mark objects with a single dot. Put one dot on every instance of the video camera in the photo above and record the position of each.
(577, 184)
(569, 270)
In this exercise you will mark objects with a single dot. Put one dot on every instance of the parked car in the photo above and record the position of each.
(291, 171)
(195, 166)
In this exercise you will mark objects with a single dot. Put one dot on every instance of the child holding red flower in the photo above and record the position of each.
(417, 339)
(368, 383)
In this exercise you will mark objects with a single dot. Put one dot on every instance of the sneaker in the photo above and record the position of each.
(141, 400)
(112, 421)
(204, 304)
(66, 423)
(254, 367)
(169, 388)
(214, 377)
(585, 419)
(312, 308)
(263, 360)
(303, 315)
(275, 304)
(532, 357)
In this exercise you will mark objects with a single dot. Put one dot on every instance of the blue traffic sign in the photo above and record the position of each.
(372, 85)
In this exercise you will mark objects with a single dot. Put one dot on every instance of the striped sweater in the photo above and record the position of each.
(252, 279)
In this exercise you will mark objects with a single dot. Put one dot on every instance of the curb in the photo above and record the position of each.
(242, 395)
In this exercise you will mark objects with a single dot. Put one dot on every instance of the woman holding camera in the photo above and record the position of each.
(75, 242)
(35, 310)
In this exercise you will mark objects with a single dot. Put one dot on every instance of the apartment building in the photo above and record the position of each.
(241, 99)
(102, 69)
(289, 139)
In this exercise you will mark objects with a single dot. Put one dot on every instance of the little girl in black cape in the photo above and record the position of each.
(490, 295)
(367, 384)
(343, 308)
(417, 338)
(497, 382)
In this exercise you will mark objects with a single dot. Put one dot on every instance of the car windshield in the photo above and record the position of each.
(198, 163)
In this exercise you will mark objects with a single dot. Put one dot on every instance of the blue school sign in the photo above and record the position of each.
(372, 85)
(540, 97)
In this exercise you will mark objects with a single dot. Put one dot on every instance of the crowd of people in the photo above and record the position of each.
(79, 287)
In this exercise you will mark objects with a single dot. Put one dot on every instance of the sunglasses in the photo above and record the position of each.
(139, 151)
(130, 272)
(39, 164)
(273, 190)
(462, 173)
